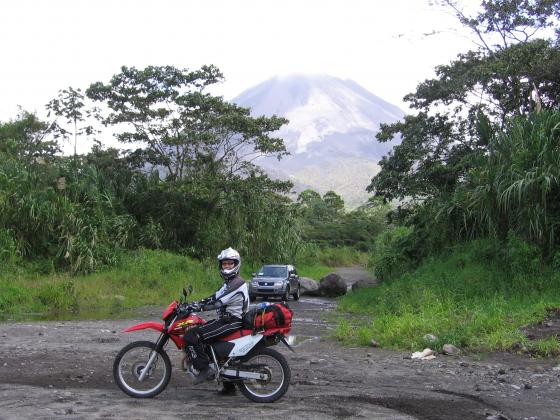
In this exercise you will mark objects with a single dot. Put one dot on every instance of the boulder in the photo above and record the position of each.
(332, 285)
(360, 284)
(308, 286)
(450, 349)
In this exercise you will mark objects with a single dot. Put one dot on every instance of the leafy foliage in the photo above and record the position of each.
(326, 223)
(480, 157)
(186, 130)
(475, 298)
(511, 73)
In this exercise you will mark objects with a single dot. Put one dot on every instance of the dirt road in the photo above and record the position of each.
(63, 370)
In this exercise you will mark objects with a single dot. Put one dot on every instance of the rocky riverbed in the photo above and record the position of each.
(64, 370)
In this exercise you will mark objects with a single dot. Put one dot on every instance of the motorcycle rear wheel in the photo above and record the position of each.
(271, 362)
(129, 364)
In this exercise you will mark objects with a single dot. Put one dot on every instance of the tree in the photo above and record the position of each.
(26, 138)
(209, 192)
(70, 105)
(334, 203)
(182, 128)
(510, 73)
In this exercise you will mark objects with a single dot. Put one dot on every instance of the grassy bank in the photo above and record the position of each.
(464, 299)
(142, 278)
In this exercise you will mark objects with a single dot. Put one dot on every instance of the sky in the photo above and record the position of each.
(387, 46)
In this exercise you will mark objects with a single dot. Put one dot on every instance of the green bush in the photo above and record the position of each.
(9, 253)
(390, 257)
(523, 257)
(472, 302)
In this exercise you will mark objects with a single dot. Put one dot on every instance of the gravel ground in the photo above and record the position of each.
(64, 369)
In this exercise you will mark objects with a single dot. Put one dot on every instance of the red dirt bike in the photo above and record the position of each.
(142, 369)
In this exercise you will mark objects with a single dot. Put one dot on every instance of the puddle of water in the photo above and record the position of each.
(82, 315)
(296, 340)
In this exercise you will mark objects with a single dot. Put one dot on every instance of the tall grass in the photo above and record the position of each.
(471, 299)
(142, 278)
(517, 186)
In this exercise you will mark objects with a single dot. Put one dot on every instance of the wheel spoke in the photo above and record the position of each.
(270, 366)
(135, 377)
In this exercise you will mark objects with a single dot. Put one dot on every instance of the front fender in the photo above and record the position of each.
(158, 326)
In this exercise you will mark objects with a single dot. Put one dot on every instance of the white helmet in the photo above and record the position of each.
(229, 254)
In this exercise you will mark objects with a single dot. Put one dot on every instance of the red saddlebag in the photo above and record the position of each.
(275, 315)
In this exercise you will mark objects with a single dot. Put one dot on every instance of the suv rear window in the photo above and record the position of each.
(270, 271)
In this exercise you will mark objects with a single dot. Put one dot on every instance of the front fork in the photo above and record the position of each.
(160, 344)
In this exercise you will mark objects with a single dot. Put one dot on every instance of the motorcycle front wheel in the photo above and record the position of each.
(129, 366)
(272, 363)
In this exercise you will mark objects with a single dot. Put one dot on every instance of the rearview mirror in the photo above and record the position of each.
(188, 291)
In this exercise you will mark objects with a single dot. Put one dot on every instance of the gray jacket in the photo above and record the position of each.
(231, 300)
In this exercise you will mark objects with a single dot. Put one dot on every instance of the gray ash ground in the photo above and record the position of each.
(64, 370)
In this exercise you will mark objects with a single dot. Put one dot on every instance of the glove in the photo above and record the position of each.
(183, 309)
(195, 306)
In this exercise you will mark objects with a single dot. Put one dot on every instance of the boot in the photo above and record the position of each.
(206, 374)
(227, 390)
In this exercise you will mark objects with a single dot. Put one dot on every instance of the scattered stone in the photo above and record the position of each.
(450, 349)
(332, 285)
(516, 387)
(430, 337)
(498, 416)
(364, 283)
(308, 286)
(426, 354)
(463, 363)
(501, 372)
(527, 386)
(374, 343)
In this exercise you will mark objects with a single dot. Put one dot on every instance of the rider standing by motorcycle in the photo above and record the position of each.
(231, 302)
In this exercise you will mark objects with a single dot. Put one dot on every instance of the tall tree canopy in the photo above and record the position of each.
(514, 69)
(182, 128)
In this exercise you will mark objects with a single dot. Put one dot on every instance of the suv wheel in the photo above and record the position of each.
(286, 295)
(296, 294)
